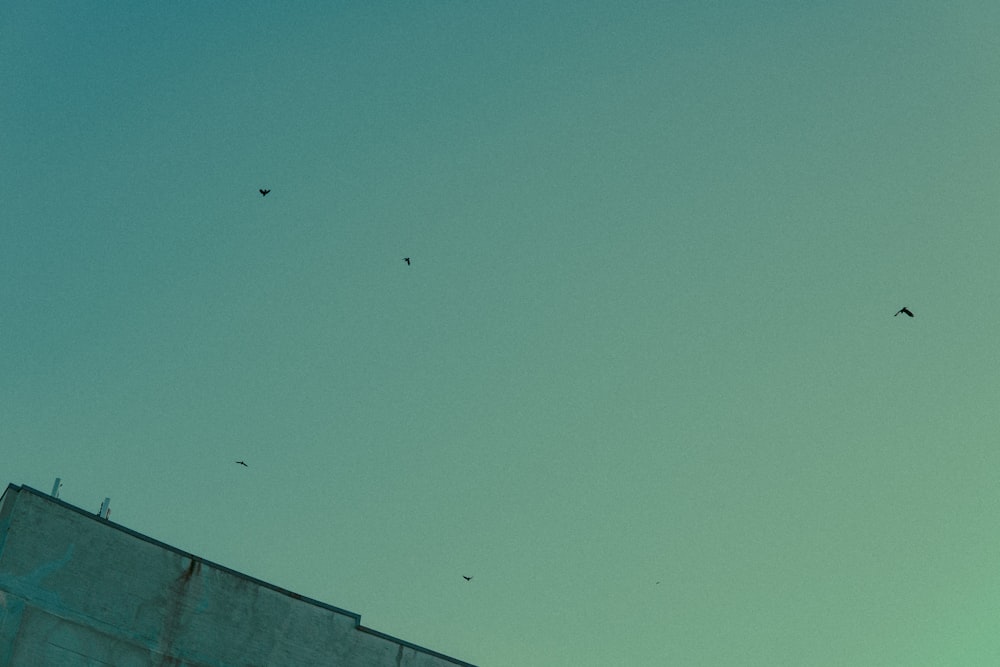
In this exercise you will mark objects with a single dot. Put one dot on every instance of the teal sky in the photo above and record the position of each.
(642, 380)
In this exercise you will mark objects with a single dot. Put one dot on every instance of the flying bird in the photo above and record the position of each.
(467, 578)
(407, 260)
(263, 193)
(243, 464)
(905, 311)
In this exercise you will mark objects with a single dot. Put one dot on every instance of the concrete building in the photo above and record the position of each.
(76, 590)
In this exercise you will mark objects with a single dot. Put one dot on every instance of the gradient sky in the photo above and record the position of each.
(642, 380)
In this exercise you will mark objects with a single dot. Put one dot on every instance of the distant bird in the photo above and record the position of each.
(263, 193)
(467, 578)
(243, 464)
(407, 260)
(905, 311)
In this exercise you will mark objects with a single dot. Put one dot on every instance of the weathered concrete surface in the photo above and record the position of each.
(79, 590)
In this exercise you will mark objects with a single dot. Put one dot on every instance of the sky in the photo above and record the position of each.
(642, 379)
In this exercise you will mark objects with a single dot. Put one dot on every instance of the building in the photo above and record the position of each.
(76, 589)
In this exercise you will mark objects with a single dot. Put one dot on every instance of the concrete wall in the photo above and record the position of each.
(77, 590)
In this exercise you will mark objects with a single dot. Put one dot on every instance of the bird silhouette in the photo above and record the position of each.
(905, 311)
(263, 193)
(467, 578)
(243, 464)
(407, 260)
